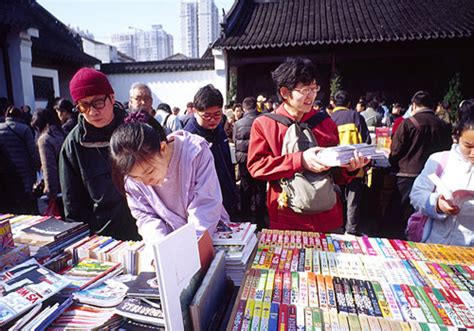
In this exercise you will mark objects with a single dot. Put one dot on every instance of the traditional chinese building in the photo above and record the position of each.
(38, 54)
(393, 46)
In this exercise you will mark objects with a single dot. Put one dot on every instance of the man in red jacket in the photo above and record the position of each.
(297, 89)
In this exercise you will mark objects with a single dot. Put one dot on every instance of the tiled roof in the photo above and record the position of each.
(158, 66)
(56, 42)
(253, 24)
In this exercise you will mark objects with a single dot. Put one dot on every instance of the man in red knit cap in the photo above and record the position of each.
(89, 194)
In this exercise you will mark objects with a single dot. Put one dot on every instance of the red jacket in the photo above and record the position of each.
(265, 162)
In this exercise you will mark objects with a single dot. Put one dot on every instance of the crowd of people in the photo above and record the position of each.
(134, 171)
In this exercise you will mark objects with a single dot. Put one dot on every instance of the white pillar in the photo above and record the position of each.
(19, 52)
(220, 67)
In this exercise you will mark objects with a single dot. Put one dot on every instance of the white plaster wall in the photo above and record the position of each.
(174, 88)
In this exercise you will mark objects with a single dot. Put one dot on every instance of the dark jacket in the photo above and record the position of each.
(415, 140)
(242, 134)
(351, 126)
(89, 194)
(49, 146)
(222, 160)
(18, 141)
(69, 124)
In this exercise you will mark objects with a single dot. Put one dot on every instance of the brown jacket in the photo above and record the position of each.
(415, 140)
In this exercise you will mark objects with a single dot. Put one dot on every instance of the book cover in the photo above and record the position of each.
(88, 271)
(210, 294)
(49, 229)
(177, 267)
(24, 286)
(232, 233)
(141, 310)
(108, 294)
(145, 285)
(6, 236)
(14, 256)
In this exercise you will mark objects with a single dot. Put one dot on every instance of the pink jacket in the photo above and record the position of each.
(190, 192)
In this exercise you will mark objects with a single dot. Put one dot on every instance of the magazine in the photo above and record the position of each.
(142, 310)
(25, 286)
(108, 294)
(232, 233)
(145, 286)
(90, 271)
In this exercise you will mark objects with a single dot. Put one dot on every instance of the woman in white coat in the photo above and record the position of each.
(451, 221)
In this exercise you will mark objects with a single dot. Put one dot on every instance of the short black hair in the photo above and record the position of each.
(208, 96)
(249, 103)
(422, 99)
(341, 98)
(294, 71)
(165, 107)
(466, 117)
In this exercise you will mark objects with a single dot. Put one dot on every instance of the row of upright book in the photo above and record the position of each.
(314, 281)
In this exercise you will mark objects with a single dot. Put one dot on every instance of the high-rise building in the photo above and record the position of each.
(199, 26)
(208, 24)
(189, 28)
(141, 45)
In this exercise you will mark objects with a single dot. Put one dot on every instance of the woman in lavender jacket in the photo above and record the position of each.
(168, 181)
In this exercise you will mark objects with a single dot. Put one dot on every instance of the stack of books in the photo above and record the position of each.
(238, 241)
(143, 304)
(10, 254)
(308, 281)
(26, 286)
(341, 155)
(89, 273)
(85, 317)
(49, 236)
(128, 253)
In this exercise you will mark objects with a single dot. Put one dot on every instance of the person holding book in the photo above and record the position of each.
(168, 181)
(84, 164)
(451, 221)
(297, 88)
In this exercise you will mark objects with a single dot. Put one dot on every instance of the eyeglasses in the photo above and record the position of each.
(145, 98)
(307, 90)
(97, 104)
(208, 117)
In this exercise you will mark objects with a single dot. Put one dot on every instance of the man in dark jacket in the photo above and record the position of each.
(414, 141)
(207, 123)
(89, 194)
(352, 129)
(248, 185)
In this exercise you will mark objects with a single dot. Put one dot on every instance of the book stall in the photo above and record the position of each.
(314, 281)
(55, 275)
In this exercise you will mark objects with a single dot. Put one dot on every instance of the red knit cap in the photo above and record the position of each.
(88, 82)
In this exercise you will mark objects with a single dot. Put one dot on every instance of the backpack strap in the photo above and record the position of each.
(442, 163)
(317, 119)
(166, 119)
(280, 119)
(311, 122)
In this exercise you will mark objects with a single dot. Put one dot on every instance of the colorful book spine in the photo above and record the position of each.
(301, 260)
(323, 302)
(381, 300)
(283, 317)
(349, 296)
(308, 260)
(286, 293)
(265, 319)
(303, 289)
(402, 302)
(373, 298)
(295, 288)
(274, 315)
(340, 296)
(331, 293)
(269, 286)
(312, 291)
(317, 319)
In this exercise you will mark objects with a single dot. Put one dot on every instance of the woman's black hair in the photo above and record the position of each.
(64, 105)
(466, 117)
(43, 117)
(137, 140)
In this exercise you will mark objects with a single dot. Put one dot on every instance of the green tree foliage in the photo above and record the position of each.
(454, 96)
(335, 84)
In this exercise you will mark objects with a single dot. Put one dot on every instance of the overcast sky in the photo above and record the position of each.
(104, 17)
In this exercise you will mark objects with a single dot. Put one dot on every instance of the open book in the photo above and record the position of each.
(458, 196)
